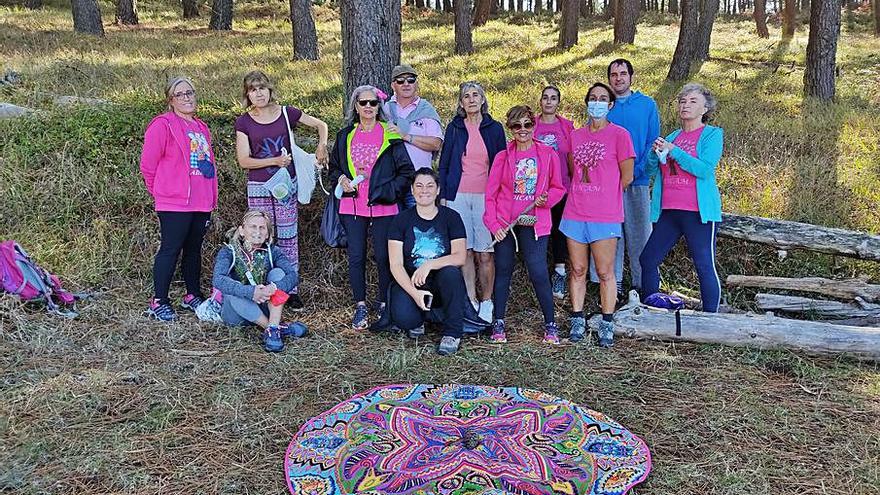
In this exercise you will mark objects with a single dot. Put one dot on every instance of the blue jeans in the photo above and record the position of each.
(534, 252)
(238, 311)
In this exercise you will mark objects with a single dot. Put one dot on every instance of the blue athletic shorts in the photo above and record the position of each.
(589, 232)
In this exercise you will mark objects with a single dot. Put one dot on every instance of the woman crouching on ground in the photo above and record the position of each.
(524, 184)
(685, 200)
(255, 277)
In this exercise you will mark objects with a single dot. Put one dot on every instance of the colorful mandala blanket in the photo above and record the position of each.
(463, 439)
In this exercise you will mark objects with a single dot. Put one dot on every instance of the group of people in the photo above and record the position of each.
(445, 241)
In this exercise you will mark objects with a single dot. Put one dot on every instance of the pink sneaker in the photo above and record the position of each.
(498, 335)
(551, 333)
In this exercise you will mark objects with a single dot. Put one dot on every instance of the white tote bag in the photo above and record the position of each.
(306, 166)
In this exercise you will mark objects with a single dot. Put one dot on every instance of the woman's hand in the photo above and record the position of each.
(282, 161)
(345, 182)
(322, 155)
(419, 297)
(661, 144)
(541, 200)
(261, 294)
(499, 235)
(420, 276)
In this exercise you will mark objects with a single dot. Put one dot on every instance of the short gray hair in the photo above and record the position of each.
(464, 88)
(351, 115)
(172, 83)
(711, 102)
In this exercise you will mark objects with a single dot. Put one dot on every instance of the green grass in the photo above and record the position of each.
(108, 403)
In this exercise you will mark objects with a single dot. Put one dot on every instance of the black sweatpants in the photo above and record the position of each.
(180, 231)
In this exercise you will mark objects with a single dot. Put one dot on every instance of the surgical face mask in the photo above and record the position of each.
(597, 109)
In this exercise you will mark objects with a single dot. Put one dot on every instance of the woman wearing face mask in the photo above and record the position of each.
(555, 131)
(685, 200)
(602, 167)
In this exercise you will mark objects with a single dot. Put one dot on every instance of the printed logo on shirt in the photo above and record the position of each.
(363, 155)
(525, 179)
(426, 246)
(587, 157)
(271, 147)
(550, 140)
(198, 151)
(689, 146)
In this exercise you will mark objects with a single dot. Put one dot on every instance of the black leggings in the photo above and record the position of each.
(534, 253)
(558, 241)
(180, 230)
(356, 230)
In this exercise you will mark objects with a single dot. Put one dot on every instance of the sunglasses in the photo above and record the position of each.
(521, 125)
(410, 80)
(372, 103)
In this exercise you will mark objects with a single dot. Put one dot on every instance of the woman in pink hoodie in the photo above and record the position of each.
(178, 166)
(524, 183)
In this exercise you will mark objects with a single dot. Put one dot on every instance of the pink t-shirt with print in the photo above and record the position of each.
(474, 162)
(553, 135)
(680, 186)
(525, 179)
(595, 194)
(365, 148)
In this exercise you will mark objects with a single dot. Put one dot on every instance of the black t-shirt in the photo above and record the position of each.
(425, 239)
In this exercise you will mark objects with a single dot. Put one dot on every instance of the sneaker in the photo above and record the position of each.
(272, 339)
(417, 332)
(557, 281)
(606, 334)
(487, 309)
(161, 311)
(551, 333)
(293, 329)
(295, 303)
(380, 310)
(448, 345)
(578, 326)
(498, 335)
(359, 320)
(191, 302)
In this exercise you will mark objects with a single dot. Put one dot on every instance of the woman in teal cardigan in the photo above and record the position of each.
(685, 200)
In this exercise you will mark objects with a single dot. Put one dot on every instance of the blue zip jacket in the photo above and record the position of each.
(454, 146)
(226, 279)
(709, 148)
(638, 114)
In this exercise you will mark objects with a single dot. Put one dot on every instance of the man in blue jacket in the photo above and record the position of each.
(637, 113)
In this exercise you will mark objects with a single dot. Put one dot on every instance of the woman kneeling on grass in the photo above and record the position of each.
(603, 167)
(255, 278)
(524, 184)
(685, 200)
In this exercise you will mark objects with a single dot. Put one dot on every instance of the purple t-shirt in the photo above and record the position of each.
(267, 141)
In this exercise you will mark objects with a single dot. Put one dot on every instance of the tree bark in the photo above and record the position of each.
(305, 37)
(818, 307)
(126, 12)
(464, 42)
(221, 15)
(568, 23)
(708, 13)
(539, 6)
(789, 17)
(87, 17)
(482, 9)
(626, 15)
(447, 6)
(841, 289)
(420, 4)
(370, 42)
(673, 7)
(760, 16)
(876, 17)
(821, 69)
(34, 4)
(190, 9)
(680, 67)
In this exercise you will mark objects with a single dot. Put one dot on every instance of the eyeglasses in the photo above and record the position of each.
(184, 94)
(372, 103)
(409, 80)
(521, 125)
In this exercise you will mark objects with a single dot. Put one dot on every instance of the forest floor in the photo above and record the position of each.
(113, 403)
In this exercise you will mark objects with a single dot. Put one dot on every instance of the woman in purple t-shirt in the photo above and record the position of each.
(262, 146)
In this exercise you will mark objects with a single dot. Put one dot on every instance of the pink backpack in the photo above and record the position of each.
(21, 276)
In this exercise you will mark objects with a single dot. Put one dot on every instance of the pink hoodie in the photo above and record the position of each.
(499, 189)
(165, 165)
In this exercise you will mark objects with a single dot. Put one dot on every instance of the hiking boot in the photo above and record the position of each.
(293, 329)
(191, 302)
(295, 303)
(359, 320)
(551, 333)
(272, 339)
(486, 310)
(416, 332)
(161, 311)
(606, 334)
(448, 345)
(557, 281)
(578, 325)
(498, 335)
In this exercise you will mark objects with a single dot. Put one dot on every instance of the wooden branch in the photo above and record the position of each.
(828, 309)
(841, 289)
(760, 331)
(795, 235)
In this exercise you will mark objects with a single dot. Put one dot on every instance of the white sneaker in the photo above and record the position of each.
(486, 310)
(475, 304)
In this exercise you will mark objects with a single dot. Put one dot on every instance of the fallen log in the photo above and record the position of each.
(819, 307)
(636, 320)
(842, 289)
(8, 110)
(784, 234)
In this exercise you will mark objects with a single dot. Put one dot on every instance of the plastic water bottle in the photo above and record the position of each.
(354, 183)
(661, 155)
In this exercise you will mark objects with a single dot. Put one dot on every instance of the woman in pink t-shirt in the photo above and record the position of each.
(601, 168)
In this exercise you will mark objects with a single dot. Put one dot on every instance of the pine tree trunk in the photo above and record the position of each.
(482, 9)
(568, 23)
(87, 17)
(464, 41)
(789, 15)
(420, 4)
(876, 17)
(493, 7)
(586, 8)
(680, 67)
(305, 37)
(760, 16)
(821, 68)
(519, 5)
(190, 9)
(539, 6)
(673, 7)
(626, 15)
(221, 15)
(447, 6)
(370, 42)
(126, 12)
(34, 4)
(707, 20)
